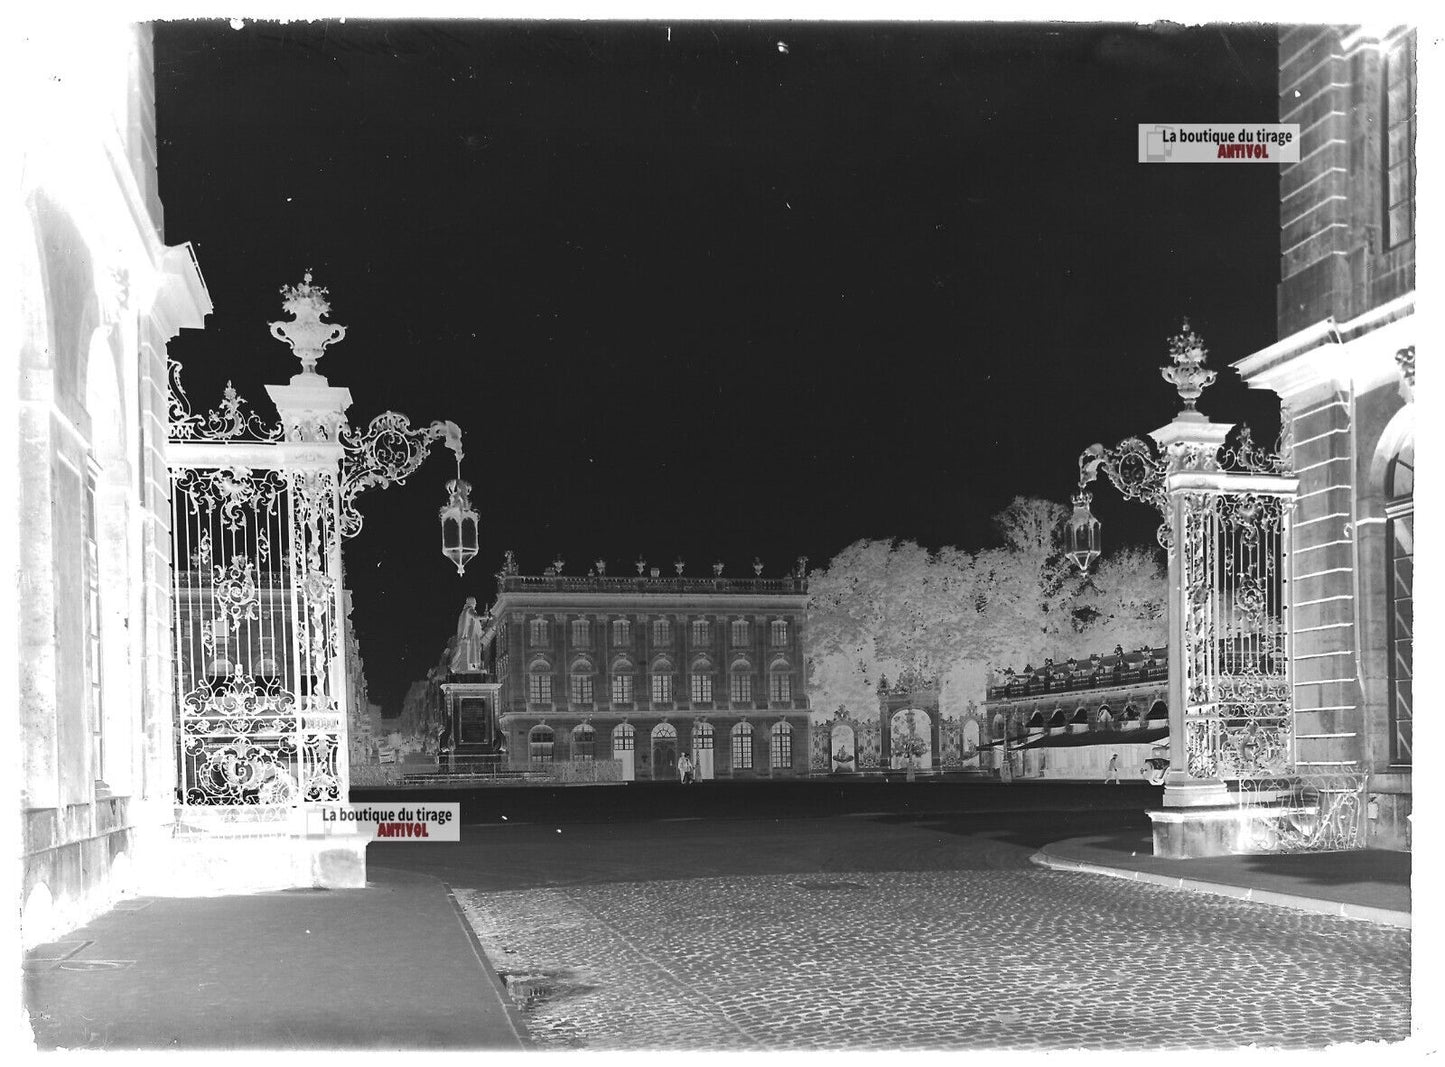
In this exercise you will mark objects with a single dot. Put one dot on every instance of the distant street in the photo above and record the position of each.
(689, 922)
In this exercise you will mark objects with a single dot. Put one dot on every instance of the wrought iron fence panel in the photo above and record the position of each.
(1304, 813)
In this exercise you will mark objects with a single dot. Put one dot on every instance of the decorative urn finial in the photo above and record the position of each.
(757, 566)
(307, 335)
(678, 564)
(601, 565)
(1186, 349)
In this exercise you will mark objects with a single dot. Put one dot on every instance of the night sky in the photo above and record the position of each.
(762, 289)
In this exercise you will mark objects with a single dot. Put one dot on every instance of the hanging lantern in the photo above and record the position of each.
(1083, 533)
(459, 525)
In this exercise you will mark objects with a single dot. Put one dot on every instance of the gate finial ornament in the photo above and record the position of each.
(307, 335)
(1186, 349)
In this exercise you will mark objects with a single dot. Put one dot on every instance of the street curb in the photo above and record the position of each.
(509, 1006)
(1382, 916)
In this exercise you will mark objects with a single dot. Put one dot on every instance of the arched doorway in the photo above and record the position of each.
(624, 740)
(702, 749)
(844, 749)
(911, 735)
(664, 752)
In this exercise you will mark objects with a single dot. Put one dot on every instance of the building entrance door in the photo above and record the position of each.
(664, 752)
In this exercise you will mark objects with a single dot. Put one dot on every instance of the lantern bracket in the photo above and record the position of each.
(386, 453)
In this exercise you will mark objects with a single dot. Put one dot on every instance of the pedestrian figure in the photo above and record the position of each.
(684, 769)
(1113, 770)
(444, 747)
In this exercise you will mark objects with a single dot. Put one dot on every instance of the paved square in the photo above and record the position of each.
(952, 959)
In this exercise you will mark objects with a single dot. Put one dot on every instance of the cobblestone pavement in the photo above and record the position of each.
(939, 959)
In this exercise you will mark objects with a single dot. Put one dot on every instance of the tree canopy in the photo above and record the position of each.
(881, 607)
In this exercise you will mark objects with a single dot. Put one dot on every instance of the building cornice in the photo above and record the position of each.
(623, 602)
(1360, 351)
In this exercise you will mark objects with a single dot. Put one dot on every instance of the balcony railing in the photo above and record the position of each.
(528, 583)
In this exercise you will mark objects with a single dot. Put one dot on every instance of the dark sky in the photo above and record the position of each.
(707, 297)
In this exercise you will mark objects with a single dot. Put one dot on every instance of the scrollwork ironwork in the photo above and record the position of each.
(386, 453)
(230, 421)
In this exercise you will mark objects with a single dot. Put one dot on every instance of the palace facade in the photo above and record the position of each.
(1344, 370)
(641, 668)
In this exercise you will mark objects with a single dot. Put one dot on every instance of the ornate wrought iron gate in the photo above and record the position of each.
(260, 687)
(258, 512)
(1238, 715)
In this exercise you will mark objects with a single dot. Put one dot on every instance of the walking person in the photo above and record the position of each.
(684, 769)
(1113, 770)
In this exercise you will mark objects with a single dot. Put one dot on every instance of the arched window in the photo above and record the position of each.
(701, 682)
(622, 672)
(624, 738)
(1400, 574)
(740, 682)
(780, 685)
(662, 682)
(780, 749)
(539, 683)
(539, 744)
(582, 676)
(742, 748)
(584, 742)
(701, 736)
(1036, 722)
(1081, 717)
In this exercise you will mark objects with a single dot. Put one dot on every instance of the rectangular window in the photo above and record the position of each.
(742, 687)
(1399, 142)
(780, 631)
(701, 632)
(581, 632)
(740, 631)
(702, 689)
(662, 688)
(582, 689)
(662, 632)
(541, 688)
(622, 689)
(781, 687)
(539, 633)
(622, 632)
(742, 750)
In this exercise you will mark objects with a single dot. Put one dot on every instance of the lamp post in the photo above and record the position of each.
(1225, 517)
